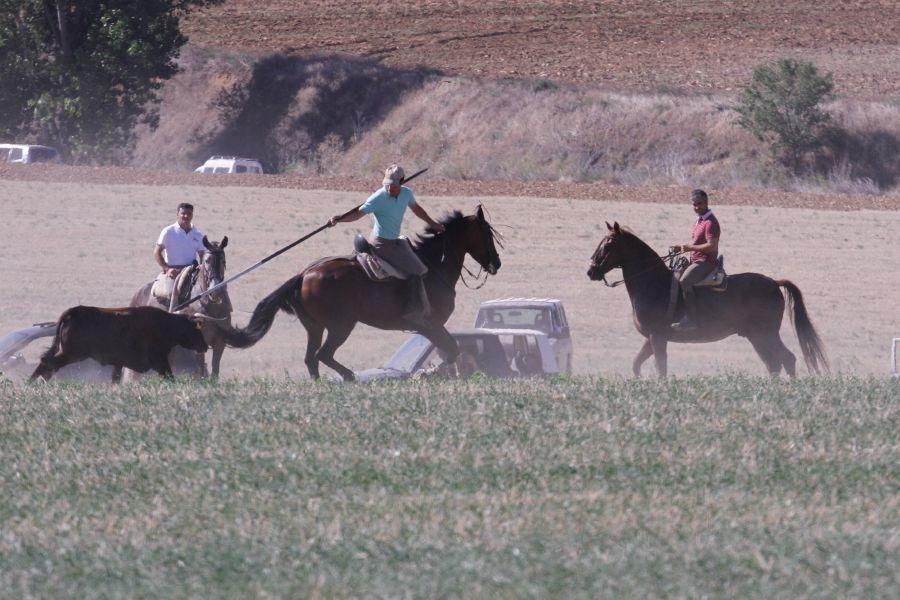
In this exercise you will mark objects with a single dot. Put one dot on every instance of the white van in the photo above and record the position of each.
(230, 164)
(27, 153)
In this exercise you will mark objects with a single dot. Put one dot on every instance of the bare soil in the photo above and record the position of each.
(656, 45)
(446, 187)
(84, 243)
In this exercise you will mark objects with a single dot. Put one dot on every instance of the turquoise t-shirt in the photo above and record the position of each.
(388, 211)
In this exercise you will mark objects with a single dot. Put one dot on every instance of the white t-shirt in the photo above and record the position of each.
(181, 247)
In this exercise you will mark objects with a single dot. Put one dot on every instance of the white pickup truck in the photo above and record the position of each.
(542, 314)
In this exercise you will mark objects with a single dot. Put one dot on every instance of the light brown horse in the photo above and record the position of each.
(216, 307)
(752, 306)
(334, 294)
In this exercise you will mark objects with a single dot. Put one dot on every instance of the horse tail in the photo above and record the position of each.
(810, 342)
(264, 315)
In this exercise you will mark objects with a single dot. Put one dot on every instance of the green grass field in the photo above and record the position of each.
(727, 486)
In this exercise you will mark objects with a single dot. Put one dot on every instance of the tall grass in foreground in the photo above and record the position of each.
(726, 486)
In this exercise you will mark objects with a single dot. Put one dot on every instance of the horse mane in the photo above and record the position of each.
(628, 232)
(429, 246)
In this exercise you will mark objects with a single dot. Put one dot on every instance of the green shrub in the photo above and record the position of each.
(782, 107)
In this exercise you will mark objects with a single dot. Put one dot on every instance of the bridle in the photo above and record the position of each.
(670, 256)
(488, 231)
(497, 237)
(217, 257)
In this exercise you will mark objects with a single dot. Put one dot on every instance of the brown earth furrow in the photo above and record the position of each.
(684, 45)
(445, 187)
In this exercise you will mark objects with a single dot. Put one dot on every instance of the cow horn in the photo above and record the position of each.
(200, 317)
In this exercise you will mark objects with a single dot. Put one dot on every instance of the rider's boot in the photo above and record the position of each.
(417, 306)
(689, 319)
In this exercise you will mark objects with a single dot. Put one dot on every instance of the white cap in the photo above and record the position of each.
(393, 175)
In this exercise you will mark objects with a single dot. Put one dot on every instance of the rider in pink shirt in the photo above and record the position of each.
(704, 249)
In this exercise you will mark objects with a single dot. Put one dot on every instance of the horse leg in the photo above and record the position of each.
(658, 344)
(441, 338)
(313, 343)
(643, 354)
(788, 360)
(201, 365)
(217, 351)
(767, 351)
(337, 335)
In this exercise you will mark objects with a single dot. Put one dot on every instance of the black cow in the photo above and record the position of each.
(139, 338)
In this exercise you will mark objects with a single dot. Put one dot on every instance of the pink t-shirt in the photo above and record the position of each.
(705, 229)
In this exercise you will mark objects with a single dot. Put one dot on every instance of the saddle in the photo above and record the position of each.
(171, 292)
(718, 279)
(377, 269)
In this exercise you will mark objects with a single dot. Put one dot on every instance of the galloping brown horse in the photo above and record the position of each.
(334, 294)
(752, 306)
(215, 306)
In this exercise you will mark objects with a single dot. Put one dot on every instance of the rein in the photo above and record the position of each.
(466, 283)
(665, 257)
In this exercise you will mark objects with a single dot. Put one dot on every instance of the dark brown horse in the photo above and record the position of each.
(215, 306)
(334, 294)
(752, 306)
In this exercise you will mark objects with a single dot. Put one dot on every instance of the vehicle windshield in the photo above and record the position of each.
(406, 357)
(515, 318)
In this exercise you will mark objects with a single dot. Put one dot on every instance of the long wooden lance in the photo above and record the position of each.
(260, 263)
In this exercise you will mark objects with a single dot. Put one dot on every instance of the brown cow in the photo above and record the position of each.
(139, 338)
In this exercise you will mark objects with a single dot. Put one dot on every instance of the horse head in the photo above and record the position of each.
(213, 269)
(480, 240)
(608, 255)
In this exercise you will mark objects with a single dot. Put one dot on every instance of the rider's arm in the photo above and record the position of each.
(158, 255)
(711, 247)
(353, 216)
(420, 212)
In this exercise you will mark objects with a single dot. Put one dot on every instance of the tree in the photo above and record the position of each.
(82, 73)
(782, 106)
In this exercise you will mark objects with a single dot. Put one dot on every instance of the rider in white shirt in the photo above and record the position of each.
(178, 246)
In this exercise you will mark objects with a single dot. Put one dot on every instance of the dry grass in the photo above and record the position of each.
(342, 117)
(92, 244)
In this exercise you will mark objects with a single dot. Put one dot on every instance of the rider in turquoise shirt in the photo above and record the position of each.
(388, 206)
(388, 211)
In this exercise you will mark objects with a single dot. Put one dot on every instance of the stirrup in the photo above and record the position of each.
(685, 324)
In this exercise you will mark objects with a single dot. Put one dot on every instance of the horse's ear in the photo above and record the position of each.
(616, 227)
(224, 243)
(480, 213)
(206, 243)
(608, 226)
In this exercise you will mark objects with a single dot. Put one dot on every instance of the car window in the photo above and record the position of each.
(515, 318)
(4, 153)
(240, 169)
(208, 170)
(562, 317)
(15, 154)
(406, 357)
(41, 155)
(220, 170)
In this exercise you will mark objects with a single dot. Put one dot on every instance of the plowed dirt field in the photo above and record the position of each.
(655, 45)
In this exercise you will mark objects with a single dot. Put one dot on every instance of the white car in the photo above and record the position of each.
(542, 314)
(230, 164)
(495, 353)
(24, 154)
